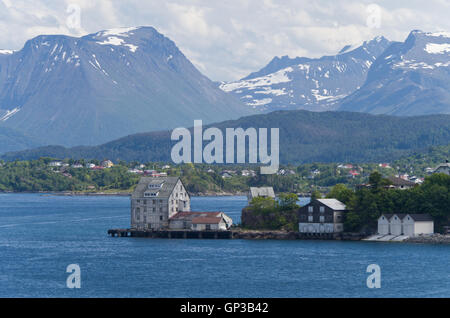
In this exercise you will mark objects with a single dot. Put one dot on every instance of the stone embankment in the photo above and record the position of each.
(286, 235)
(431, 239)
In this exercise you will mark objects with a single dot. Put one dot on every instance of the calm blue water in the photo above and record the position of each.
(41, 235)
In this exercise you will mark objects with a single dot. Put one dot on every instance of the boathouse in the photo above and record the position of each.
(405, 224)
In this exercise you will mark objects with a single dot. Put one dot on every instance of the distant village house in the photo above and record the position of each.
(443, 168)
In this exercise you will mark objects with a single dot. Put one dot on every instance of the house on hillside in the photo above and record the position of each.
(155, 200)
(55, 164)
(400, 183)
(264, 192)
(322, 216)
(405, 224)
(200, 221)
(443, 168)
(107, 164)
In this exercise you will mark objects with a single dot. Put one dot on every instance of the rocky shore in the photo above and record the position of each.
(430, 239)
(290, 235)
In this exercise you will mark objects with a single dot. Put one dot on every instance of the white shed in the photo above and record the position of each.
(416, 224)
(384, 224)
(396, 224)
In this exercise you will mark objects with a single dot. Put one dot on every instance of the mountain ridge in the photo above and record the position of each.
(409, 78)
(304, 137)
(308, 83)
(95, 88)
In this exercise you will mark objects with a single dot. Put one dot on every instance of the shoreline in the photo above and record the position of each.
(123, 194)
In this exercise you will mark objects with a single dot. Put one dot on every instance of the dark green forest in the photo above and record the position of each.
(305, 137)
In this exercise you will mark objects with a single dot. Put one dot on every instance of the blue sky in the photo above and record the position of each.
(229, 39)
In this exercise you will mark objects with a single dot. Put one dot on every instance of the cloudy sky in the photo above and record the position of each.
(228, 39)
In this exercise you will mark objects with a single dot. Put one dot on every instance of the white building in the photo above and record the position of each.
(384, 224)
(264, 192)
(443, 168)
(405, 224)
(155, 200)
(416, 224)
(200, 221)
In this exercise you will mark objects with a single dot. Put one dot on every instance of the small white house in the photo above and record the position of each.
(396, 224)
(443, 168)
(416, 224)
(384, 227)
(405, 224)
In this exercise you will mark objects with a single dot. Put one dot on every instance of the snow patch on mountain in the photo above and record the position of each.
(305, 83)
(271, 79)
(435, 48)
(6, 52)
(115, 37)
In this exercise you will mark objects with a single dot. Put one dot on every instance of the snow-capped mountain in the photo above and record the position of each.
(305, 83)
(409, 78)
(102, 86)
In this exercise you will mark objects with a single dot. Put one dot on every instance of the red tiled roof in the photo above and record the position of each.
(206, 220)
(181, 215)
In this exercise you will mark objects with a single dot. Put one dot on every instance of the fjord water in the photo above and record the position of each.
(40, 235)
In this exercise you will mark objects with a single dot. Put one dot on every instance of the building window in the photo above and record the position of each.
(160, 217)
(310, 209)
(310, 218)
(322, 219)
(322, 209)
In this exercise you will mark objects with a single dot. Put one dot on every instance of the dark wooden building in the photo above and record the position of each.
(322, 216)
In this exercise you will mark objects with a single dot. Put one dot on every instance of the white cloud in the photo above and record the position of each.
(231, 38)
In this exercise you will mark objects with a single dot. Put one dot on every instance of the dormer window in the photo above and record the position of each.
(155, 185)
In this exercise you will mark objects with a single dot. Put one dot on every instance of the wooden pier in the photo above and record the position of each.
(234, 234)
(171, 234)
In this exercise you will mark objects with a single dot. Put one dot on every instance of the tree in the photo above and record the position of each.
(316, 195)
(341, 193)
(288, 201)
(375, 180)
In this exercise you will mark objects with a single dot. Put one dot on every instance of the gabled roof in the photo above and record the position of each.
(401, 216)
(206, 220)
(333, 204)
(167, 186)
(400, 182)
(262, 192)
(443, 165)
(193, 215)
(421, 217)
(387, 216)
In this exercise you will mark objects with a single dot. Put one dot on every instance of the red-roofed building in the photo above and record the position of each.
(200, 221)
